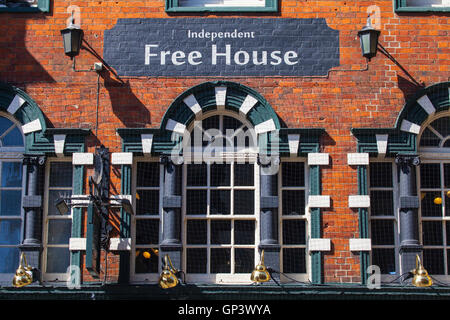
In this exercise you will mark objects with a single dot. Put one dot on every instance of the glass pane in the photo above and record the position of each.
(293, 174)
(196, 232)
(58, 260)
(433, 260)
(11, 174)
(429, 139)
(244, 232)
(293, 202)
(220, 174)
(146, 260)
(430, 175)
(294, 260)
(244, 174)
(10, 231)
(196, 202)
(244, 260)
(11, 201)
(197, 174)
(147, 231)
(53, 196)
(61, 174)
(294, 232)
(381, 203)
(5, 124)
(244, 202)
(431, 204)
(385, 259)
(147, 202)
(432, 233)
(382, 232)
(441, 125)
(196, 261)
(13, 138)
(380, 174)
(59, 231)
(147, 174)
(220, 232)
(220, 261)
(220, 202)
(447, 175)
(9, 260)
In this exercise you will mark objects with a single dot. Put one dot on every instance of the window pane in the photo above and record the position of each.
(220, 174)
(13, 138)
(293, 202)
(429, 139)
(9, 260)
(61, 174)
(441, 125)
(147, 231)
(432, 232)
(244, 174)
(220, 232)
(430, 175)
(5, 124)
(196, 232)
(244, 232)
(146, 260)
(58, 260)
(11, 174)
(11, 201)
(447, 175)
(220, 261)
(381, 203)
(433, 259)
(147, 202)
(196, 202)
(430, 206)
(385, 259)
(53, 196)
(293, 174)
(196, 260)
(380, 174)
(244, 260)
(294, 232)
(220, 202)
(197, 174)
(59, 231)
(244, 202)
(382, 232)
(10, 231)
(294, 260)
(147, 174)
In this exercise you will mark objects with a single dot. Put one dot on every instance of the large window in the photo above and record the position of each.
(11, 153)
(383, 217)
(222, 5)
(24, 6)
(57, 227)
(421, 5)
(293, 219)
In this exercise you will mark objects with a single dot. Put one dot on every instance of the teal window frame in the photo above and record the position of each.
(43, 6)
(400, 6)
(173, 6)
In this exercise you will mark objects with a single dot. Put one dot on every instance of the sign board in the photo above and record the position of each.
(221, 47)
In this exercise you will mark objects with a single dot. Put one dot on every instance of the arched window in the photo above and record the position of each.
(11, 154)
(434, 186)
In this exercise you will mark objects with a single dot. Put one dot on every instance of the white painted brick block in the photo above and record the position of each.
(118, 158)
(359, 201)
(319, 201)
(82, 158)
(358, 159)
(319, 245)
(120, 244)
(32, 126)
(360, 244)
(77, 244)
(318, 159)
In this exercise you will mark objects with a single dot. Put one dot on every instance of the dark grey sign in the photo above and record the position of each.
(221, 47)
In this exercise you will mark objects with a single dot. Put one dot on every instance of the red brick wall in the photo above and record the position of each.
(32, 58)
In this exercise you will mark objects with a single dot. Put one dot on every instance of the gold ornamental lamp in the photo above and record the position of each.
(24, 273)
(168, 278)
(421, 277)
(260, 273)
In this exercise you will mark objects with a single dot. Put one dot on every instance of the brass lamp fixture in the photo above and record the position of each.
(168, 278)
(421, 277)
(24, 273)
(260, 273)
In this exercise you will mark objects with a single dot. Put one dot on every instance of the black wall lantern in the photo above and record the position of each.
(72, 38)
(369, 40)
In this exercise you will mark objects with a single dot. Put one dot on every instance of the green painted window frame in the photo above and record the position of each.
(43, 6)
(172, 6)
(400, 6)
